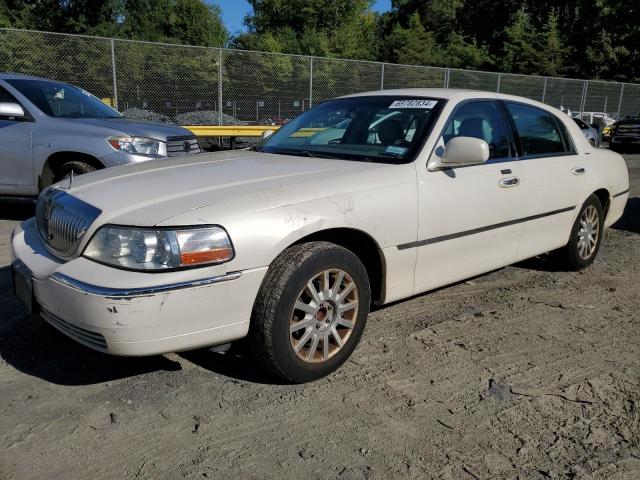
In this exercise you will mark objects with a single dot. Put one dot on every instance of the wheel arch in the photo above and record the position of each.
(364, 246)
(605, 199)
(57, 159)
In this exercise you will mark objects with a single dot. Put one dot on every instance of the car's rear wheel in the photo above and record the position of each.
(74, 167)
(310, 312)
(586, 236)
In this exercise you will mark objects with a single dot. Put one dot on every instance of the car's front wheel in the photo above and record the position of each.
(310, 312)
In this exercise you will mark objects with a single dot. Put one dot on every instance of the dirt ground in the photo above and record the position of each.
(526, 372)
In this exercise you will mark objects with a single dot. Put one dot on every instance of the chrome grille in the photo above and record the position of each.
(63, 220)
(186, 145)
(628, 130)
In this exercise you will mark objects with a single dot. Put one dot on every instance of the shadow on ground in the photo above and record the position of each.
(16, 210)
(236, 363)
(630, 221)
(35, 348)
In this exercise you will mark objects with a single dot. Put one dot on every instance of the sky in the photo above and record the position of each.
(233, 11)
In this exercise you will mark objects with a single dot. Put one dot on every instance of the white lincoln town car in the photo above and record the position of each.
(365, 199)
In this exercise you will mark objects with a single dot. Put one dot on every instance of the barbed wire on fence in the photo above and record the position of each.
(218, 86)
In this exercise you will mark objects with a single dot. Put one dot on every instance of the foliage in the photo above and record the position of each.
(575, 38)
(338, 28)
(191, 22)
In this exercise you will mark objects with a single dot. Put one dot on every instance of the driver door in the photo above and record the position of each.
(16, 159)
(468, 215)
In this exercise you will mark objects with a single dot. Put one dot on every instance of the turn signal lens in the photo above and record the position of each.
(200, 246)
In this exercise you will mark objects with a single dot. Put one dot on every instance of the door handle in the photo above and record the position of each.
(509, 182)
(578, 171)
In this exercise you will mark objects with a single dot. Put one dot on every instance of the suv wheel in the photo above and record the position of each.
(310, 312)
(78, 168)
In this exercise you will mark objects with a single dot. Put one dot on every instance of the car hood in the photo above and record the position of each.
(137, 128)
(147, 193)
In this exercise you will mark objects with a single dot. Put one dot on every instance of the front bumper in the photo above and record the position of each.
(625, 139)
(134, 313)
(123, 158)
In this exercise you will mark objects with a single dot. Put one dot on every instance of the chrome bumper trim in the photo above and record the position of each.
(140, 291)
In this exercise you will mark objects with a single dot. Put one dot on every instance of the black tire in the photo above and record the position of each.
(78, 168)
(570, 256)
(270, 338)
(616, 147)
(592, 142)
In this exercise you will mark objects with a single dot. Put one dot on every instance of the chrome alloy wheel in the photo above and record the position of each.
(588, 232)
(323, 316)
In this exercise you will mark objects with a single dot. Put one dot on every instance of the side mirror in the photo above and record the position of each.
(10, 109)
(460, 152)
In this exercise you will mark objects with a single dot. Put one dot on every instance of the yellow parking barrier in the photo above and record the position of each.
(230, 130)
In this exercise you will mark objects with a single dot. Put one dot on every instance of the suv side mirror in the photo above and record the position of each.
(460, 152)
(11, 110)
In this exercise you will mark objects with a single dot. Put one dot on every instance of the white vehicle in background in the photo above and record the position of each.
(289, 243)
(597, 118)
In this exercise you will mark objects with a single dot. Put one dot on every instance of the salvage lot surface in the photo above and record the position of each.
(526, 372)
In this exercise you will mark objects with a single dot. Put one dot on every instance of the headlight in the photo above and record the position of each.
(137, 145)
(159, 249)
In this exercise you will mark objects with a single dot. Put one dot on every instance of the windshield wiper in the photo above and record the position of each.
(304, 153)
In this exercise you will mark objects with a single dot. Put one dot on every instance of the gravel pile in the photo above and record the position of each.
(206, 117)
(146, 115)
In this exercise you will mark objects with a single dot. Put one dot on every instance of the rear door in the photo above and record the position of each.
(466, 214)
(556, 177)
(16, 160)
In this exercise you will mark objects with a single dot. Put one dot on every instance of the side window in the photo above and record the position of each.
(481, 120)
(6, 96)
(540, 132)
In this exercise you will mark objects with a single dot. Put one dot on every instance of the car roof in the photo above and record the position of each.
(445, 93)
(20, 76)
(454, 93)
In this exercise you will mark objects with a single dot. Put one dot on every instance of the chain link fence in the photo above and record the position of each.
(192, 85)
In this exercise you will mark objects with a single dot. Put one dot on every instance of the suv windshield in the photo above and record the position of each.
(388, 129)
(62, 100)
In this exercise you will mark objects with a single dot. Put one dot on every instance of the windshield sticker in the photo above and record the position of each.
(396, 150)
(426, 104)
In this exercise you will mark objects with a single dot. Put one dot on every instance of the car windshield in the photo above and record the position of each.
(388, 129)
(62, 100)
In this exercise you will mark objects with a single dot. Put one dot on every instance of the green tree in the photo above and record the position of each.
(413, 45)
(520, 53)
(345, 28)
(553, 53)
(5, 21)
(178, 21)
(195, 23)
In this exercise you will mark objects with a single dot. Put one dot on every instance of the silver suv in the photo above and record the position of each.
(49, 129)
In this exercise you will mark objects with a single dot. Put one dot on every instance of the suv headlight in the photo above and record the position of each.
(136, 145)
(159, 249)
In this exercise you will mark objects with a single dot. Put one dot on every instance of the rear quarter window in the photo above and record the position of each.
(540, 132)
